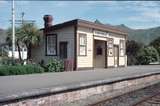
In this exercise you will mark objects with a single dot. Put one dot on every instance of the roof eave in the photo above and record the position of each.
(100, 27)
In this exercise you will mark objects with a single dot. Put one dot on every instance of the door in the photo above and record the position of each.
(99, 54)
(63, 50)
(116, 55)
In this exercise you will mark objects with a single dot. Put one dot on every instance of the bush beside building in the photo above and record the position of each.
(19, 69)
(139, 54)
(147, 55)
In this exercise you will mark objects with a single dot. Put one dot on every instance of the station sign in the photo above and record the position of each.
(101, 33)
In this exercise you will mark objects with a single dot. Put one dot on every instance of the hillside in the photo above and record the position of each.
(144, 36)
(2, 36)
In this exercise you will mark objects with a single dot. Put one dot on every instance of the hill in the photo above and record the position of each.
(144, 36)
(2, 36)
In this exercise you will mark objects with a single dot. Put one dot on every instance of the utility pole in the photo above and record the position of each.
(13, 29)
(22, 20)
(22, 17)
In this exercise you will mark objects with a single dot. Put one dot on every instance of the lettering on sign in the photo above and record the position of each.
(101, 33)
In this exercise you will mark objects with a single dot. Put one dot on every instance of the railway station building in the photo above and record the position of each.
(87, 44)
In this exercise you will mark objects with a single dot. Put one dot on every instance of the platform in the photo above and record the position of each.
(25, 86)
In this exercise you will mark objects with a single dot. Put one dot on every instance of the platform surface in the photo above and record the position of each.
(19, 86)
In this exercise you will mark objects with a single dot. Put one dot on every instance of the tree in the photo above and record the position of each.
(26, 34)
(132, 48)
(30, 36)
(97, 21)
(17, 39)
(156, 44)
(146, 55)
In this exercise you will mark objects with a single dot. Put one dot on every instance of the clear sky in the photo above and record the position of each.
(135, 14)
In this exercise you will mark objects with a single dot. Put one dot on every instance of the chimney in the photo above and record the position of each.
(47, 21)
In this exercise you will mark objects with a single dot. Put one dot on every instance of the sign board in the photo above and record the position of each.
(101, 33)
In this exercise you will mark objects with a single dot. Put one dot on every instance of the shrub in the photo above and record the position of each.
(19, 69)
(55, 66)
(6, 61)
(3, 52)
(156, 44)
(9, 61)
(131, 60)
(132, 48)
(147, 55)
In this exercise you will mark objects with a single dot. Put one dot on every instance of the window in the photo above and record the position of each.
(51, 44)
(122, 47)
(82, 44)
(110, 47)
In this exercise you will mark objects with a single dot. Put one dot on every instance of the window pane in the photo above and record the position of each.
(51, 45)
(122, 52)
(82, 40)
(122, 44)
(110, 47)
(82, 50)
(110, 43)
(82, 44)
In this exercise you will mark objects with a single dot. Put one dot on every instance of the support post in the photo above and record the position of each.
(13, 29)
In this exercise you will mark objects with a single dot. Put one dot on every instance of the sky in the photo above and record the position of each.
(134, 14)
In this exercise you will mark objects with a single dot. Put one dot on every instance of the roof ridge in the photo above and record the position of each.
(77, 20)
(104, 25)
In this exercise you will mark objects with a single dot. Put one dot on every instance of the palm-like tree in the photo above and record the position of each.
(26, 34)
(17, 39)
(30, 36)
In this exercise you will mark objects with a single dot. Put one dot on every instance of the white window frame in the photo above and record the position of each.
(82, 44)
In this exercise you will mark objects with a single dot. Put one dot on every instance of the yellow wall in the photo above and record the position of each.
(121, 61)
(116, 40)
(90, 60)
(85, 61)
(110, 61)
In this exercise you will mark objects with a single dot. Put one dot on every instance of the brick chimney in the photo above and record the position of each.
(47, 21)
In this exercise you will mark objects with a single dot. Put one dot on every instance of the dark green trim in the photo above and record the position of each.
(110, 66)
(93, 52)
(75, 46)
(85, 68)
(121, 66)
(106, 55)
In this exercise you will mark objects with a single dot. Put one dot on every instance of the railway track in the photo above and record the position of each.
(150, 101)
(149, 96)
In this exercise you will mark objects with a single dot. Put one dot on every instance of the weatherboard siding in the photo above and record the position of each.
(85, 61)
(65, 34)
(116, 41)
